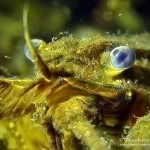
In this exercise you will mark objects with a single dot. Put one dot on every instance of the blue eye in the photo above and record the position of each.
(122, 57)
(36, 44)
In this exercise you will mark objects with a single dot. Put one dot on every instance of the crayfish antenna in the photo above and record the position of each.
(38, 61)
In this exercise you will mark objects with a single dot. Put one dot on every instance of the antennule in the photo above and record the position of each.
(36, 57)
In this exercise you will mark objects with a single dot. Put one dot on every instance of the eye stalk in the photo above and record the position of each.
(122, 57)
(37, 44)
(118, 60)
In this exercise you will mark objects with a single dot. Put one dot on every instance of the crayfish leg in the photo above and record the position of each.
(65, 119)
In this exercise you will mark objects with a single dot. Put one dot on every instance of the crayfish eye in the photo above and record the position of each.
(36, 43)
(122, 57)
